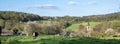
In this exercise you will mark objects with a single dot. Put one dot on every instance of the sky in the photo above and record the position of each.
(61, 7)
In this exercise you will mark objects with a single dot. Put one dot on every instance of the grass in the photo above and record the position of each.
(50, 39)
(75, 27)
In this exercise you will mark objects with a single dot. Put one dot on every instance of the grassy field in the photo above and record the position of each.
(75, 27)
(50, 39)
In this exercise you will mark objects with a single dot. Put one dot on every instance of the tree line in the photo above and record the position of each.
(94, 18)
(18, 16)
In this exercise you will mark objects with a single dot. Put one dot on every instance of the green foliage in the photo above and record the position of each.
(19, 26)
(18, 16)
(105, 17)
(92, 18)
(115, 24)
(10, 19)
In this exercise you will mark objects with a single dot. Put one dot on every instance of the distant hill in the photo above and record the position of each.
(18, 16)
(21, 16)
(104, 17)
(94, 18)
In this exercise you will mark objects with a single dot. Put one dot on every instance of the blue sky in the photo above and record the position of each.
(61, 7)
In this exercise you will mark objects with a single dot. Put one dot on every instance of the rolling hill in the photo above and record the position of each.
(18, 16)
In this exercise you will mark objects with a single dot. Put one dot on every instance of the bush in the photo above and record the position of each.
(109, 32)
(99, 30)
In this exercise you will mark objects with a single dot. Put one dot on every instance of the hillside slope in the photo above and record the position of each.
(18, 16)
(103, 17)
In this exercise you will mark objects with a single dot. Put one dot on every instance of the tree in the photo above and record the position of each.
(99, 29)
(81, 27)
(15, 31)
(18, 16)
(31, 27)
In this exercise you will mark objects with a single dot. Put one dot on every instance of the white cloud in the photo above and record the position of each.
(45, 6)
(89, 3)
(49, 6)
(72, 3)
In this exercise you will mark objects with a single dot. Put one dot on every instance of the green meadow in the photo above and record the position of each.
(50, 39)
(75, 26)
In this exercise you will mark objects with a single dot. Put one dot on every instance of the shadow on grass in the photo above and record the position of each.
(81, 41)
(90, 41)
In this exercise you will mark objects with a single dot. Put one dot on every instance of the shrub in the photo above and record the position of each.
(100, 28)
(58, 28)
(109, 32)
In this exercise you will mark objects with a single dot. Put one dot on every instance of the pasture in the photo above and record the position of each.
(75, 26)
